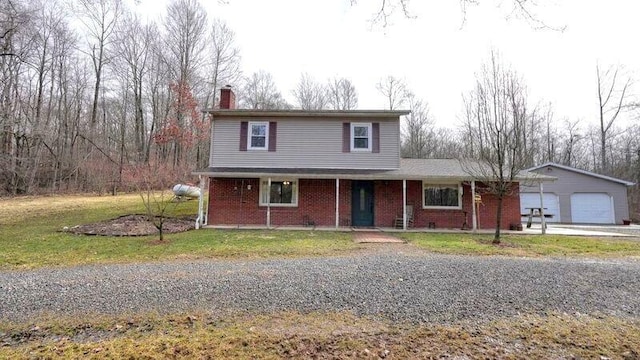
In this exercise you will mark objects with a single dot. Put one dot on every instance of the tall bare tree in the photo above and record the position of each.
(417, 131)
(341, 94)
(613, 93)
(100, 18)
(394, 90)
(309, 94)
(260, 92)
(495, 119)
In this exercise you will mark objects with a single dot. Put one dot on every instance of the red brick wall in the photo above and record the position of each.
(316, 199)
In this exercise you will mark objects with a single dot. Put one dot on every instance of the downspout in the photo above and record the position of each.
(337, 203)
(404, 204)
(200, 202)
(206, 210)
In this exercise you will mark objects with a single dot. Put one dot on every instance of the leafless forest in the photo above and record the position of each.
(90, 93)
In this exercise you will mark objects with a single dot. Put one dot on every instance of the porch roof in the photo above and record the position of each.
(410, 169)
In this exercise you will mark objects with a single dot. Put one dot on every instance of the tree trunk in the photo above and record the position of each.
(496, 236)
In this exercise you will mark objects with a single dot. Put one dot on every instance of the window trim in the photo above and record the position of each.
(294, 195)
(266, 135)
(426, 184)
(369, 127)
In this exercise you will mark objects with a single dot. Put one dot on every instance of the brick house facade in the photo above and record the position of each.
(283, 168)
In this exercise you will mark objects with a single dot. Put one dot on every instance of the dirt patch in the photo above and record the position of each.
(132, 225)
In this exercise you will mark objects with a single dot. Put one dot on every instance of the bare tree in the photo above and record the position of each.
(100, 18)
(260, 92)
(342, 95)
(524, 9)
(417, 131)
(496, 116)
(309, 94)
(613, 95)
(394, 90)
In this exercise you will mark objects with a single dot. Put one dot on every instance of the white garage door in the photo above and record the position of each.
(592, 208)
(551, 203)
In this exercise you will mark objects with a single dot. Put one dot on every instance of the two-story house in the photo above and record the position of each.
(334, 169)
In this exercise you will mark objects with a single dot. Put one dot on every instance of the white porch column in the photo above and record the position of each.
(206, 210)
(337, 203)
(543, 222)
(199, 219)
(268, 203)
(404, 204)
(474, 216)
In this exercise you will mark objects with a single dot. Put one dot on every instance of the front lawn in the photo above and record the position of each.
(524, 245)
(30, 235)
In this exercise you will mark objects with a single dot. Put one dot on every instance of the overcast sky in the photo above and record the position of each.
(433, 53)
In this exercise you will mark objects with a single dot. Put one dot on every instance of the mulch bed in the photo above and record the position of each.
(133, 225)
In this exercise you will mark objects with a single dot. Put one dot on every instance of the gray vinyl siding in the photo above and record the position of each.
(305, 143)
(570, 182)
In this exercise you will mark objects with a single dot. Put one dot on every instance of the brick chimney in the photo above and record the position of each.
(227, 98)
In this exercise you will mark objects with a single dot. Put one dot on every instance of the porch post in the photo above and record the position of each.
(543, 222)
(269, 203)
(200, 202)
(206, 210)
(337, 202)
(474, 216)
(404, 204)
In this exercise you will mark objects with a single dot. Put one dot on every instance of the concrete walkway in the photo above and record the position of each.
(557, 229)
(375, 237)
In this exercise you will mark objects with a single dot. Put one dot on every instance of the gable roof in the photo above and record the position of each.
(584, 172)
(306, 113)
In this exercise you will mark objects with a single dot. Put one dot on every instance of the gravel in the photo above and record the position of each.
(397, 283)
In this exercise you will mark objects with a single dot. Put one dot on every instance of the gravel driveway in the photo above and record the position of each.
(397, 281)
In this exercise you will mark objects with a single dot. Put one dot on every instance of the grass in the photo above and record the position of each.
(320, 335)
(525, 245)
(30, 235)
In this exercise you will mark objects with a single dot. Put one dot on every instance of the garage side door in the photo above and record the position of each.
(533, 200)
(592, 208)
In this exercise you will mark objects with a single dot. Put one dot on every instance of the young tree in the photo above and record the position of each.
(496, 116)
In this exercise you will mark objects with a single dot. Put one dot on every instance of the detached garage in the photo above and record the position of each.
(579, 196)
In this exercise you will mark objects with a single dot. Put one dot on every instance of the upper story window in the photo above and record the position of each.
(361, 136)
(442, 196)
(258, 135)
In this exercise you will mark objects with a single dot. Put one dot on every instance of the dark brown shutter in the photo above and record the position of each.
(375, 137)
(273, 135)
(244, 128)
(346, 137)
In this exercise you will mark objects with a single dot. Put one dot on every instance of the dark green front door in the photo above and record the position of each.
(362, 203)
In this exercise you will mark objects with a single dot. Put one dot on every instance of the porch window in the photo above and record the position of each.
(442, 196)
(361, 136)
(284, 192)
(258, 135)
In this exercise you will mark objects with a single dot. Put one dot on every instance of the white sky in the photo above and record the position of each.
(433, 53)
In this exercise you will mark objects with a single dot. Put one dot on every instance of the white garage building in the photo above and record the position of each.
(578, 196)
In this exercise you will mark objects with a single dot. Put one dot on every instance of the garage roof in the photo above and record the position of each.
(580, 171)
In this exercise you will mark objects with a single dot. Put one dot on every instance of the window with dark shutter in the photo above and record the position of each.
(244, 126)
(273, 134)
(375, 137)
(346, 137)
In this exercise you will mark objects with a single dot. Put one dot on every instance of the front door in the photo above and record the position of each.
(362, 203)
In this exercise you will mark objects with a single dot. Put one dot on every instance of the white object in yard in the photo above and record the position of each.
(181, 190)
